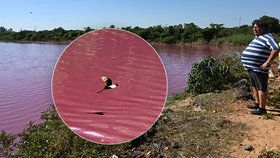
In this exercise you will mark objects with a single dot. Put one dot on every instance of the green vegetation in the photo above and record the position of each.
(239, 39)
(58, 34)
(7, 145)
(213, 74)
(233, 62)
(175, 97)
(274, 100)
(207, 76)
(267, 116)
(52, 139)
(182, 33)
(269, 154)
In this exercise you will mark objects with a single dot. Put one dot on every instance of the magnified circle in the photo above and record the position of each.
(109, 86)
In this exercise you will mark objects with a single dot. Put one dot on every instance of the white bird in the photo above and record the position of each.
(108, 83)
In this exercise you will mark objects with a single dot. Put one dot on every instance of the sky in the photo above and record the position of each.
(78, 14)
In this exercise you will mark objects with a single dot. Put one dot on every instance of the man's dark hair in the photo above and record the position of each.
(261, 24)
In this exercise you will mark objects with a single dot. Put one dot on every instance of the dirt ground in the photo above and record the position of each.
(264, 133)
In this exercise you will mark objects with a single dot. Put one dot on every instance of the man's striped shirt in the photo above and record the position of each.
(258, 52)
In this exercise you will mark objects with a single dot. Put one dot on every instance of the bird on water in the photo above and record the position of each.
(108, 83)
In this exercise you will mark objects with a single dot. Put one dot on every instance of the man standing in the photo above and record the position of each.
(256, 58)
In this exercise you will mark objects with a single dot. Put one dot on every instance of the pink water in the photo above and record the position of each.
(25, 77)
(26, 69)
(178, 61)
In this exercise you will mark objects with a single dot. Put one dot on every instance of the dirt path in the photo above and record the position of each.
(262, 134)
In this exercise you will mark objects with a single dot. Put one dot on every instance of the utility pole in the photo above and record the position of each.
(239, 23)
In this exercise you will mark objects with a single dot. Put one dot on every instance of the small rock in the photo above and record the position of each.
(248, 147)
(242, 89)
(148, 154)
(165, 148)
(114, 156)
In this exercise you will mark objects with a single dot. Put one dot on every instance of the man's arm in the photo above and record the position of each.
(272, 56)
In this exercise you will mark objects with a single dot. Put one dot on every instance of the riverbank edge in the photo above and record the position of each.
(173, 115)
(38, 42)
(152, 43)
(189, 125)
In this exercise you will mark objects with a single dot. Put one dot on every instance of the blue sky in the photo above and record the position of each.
(75, 14)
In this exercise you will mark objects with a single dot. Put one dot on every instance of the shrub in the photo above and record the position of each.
(7, 144)
(169, 39)
(53, 139)
(233, 62)
(207, 76)
(275, 100)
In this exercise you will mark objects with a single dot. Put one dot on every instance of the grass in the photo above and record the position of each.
(238, 39)
(204, 132)
(270, 153)
(175, 97)
(267, 116)
(274, 100)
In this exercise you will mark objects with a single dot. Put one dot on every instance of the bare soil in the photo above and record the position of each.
(264, 131)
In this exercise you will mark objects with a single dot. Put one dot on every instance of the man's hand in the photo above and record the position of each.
(272, 56)
(265, 65)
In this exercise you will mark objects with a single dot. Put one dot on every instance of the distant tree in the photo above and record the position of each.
(191, 33)
(245, 29)
(3, 29)
(128, 28)
(60, 29)
(216, 26)
(87, 29)
(178, 30)
(158, 28)
(144, 33)
(188, 32)
(208, 34)
(219, 30)
(155, 33)
(57, 34)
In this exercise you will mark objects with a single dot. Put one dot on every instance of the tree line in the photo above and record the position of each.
(182, 33)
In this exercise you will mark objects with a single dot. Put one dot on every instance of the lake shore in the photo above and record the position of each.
(41, 42)
(205, 125)
(212, 124)
(197, 44)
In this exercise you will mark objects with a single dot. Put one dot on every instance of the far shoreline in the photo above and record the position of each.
(38, 42)
(193, 44)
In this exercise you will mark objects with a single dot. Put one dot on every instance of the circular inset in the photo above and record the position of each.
(109, 86)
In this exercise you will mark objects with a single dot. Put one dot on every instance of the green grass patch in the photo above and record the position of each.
(237, 39)
(267, 116)
(175, 97)
(274, 100)
(269, 154)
